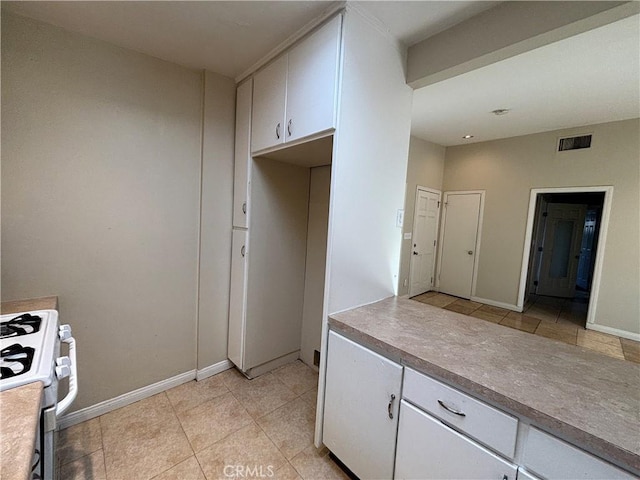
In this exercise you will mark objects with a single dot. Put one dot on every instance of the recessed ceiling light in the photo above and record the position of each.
(500, 111)
(467, 137)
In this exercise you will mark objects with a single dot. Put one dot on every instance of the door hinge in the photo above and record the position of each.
(431, 280)
(438, 204)
(434, 243)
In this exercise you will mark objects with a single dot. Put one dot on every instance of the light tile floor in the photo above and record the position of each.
(554, 318)
(224, 427)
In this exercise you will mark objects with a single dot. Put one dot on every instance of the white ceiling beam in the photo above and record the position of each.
(505, 31)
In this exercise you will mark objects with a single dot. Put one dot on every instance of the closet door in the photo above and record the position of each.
(238, 298)
(312, 82)
(242, 161)
(269, 92)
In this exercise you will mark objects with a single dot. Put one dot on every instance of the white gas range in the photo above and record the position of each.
(30, 352)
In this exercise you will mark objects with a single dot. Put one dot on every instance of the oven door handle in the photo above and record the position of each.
(73, 378)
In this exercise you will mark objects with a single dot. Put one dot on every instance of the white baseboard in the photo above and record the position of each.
(613, 331)
(214, 369)
(493, 303)
(272, 365)
(123, 400)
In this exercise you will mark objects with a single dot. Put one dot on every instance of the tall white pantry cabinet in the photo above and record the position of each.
(337, 97)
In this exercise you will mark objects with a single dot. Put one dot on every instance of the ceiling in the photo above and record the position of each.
(228, 37)
(589, 78)
(414, 21)
(224, 37)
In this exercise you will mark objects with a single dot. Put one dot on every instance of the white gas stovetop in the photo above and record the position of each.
(28, 348)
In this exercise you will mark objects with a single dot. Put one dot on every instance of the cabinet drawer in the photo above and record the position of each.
(486, 424)
(553, 458)
(429, 449)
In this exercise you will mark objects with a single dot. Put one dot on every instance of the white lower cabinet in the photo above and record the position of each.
(441, 432)
(428, 449)
(554, 459)
(362, 394)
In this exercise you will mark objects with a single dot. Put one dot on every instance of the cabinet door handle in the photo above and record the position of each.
(278, 130)
(452, 410)
(244, 207)
(289, 126)
(243, 250)
(390, 406)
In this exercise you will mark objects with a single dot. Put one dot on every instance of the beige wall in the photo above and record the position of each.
(101, 154)
(425, 169)
(315, 265)
(215, 230)
(276, 256)
(508, 169)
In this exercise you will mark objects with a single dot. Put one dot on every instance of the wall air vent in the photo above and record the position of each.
(574, 143)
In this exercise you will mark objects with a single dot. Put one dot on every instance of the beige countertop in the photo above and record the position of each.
(43, 303)
(20, 409)
(587, 398)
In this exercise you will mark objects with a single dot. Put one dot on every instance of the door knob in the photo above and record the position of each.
(470, 252)
(415, 253)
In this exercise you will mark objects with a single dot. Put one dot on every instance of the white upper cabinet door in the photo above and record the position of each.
(242, 155)
(312, 82)
(269, 92)
(361, 405)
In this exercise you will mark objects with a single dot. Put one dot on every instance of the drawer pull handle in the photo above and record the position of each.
(244, 207)
(278, 130)
(452, 410)
(390, 406)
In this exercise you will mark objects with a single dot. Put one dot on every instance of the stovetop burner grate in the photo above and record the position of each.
(15, 360)
(24, 324)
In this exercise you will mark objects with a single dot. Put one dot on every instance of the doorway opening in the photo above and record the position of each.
(565, 232)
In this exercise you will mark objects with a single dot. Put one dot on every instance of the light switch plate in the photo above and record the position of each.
(407, 236)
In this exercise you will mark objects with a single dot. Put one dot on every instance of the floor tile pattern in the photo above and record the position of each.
(554, 318)
(224, 427)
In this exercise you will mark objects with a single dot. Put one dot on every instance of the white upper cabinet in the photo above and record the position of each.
(269, 96)
(295, 96)
(242, 159)
(312, 82)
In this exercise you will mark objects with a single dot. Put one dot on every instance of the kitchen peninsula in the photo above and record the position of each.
(571, 397)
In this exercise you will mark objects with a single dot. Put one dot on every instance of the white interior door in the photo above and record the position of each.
(460, 223)
(561, 249)
(423, 246)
